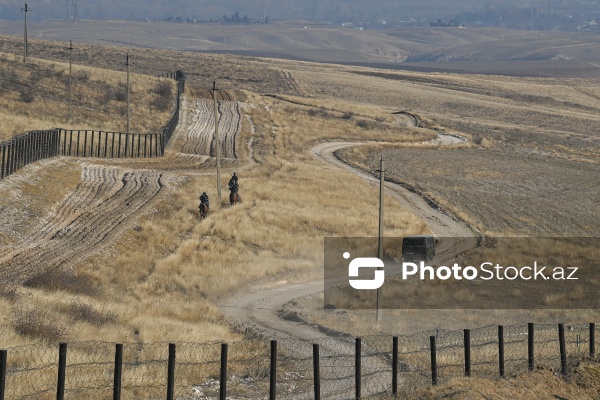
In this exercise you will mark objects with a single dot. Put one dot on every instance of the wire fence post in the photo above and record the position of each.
(3, 356)
(563, 349)
(118, 371)
(395, 366)
(223, 378)
(273, 371)
(316, 372)
(592, 340)
(62, 367)
(434, 370)
(171, 372)
(467, 341)
(357, 368)
(530, 354)
(501, 350)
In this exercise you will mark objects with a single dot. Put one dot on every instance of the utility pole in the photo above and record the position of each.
(217, 142)
(70, 74)
(127, 63)
(26, 10)
(380, 241)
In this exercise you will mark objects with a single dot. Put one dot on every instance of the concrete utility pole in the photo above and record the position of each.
(26, 10)
(380, 241)
(217, 142)
(70, 74)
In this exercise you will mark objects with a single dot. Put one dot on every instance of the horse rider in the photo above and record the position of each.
(204, 199)
(233, 183)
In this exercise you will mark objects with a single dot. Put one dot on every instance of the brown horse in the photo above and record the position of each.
(234, 198)
(203, 210)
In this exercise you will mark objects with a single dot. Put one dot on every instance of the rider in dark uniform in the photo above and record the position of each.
(234, 186)
(204, 199)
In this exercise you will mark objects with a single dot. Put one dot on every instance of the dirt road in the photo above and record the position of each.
(263, 309)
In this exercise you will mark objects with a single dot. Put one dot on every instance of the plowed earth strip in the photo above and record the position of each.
(95, 213)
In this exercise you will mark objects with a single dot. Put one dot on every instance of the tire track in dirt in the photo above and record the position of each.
(194, 138)
(95, 213)
(109, 198)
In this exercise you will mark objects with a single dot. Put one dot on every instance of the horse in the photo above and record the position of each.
(203, 210)
(234, 198)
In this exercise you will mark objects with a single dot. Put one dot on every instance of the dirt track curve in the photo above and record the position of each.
(262, 309)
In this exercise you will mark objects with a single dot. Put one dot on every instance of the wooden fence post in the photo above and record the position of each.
(118, 371)
(316, 372)
(223, 376)
(434, 370)
(62, 367)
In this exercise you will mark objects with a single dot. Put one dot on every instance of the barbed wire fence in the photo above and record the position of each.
(377, 366)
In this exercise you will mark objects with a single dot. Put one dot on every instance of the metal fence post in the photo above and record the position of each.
(530, 353)
(118, 371)
(3, 356)
(501, 350)
(357, 368)
(273, 371)
(467, 341)
(434, 371)
(395, 366)
(3, 162)
(171, 372)
(592, 340)
(62, 367)
(316, 372)
(223, 377)
(563, 349)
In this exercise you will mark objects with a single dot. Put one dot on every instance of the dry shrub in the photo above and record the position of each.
(58, 279)
(80, 310)
(37, 324)
(164, 96)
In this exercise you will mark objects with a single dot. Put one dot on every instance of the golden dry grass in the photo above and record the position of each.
(35, 96)
(161, 280)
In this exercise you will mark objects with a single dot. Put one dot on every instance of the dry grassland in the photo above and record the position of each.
(35, 96)
(161, 279)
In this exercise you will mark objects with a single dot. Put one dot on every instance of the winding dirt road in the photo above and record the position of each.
(263, 310)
